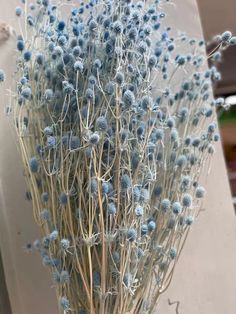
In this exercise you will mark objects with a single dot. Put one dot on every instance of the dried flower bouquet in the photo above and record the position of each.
(113, 146)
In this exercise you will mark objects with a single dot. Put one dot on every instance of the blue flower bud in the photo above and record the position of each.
(78, 66)
(144, 229)
(27, 55)
(18, 11)
(128, 98)
(40, 58)
(181, 161)
(34, 165)
(226, 36)
(111, 209)
(176, 208)
(53, 235)
(125, 182)
(26, 92)
(139, 211)
(151, 226)
(63, 199)
(117, 27)
(101, 124)
(65, 304)
(65, 244)
(94, 139)
(45, 214)
(64, 277)
(187, 200)
(165, 204)
(119, 78)
(200, 191)
(61, 25)
(2, 76)
(20, 45)
(173, 253)
(132, 235)
(44, 197)
(189, 220)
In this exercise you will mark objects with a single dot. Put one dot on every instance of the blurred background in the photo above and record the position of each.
(218, 16)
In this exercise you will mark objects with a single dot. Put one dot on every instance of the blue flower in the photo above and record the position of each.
(62, 40)
(129, 98)
(211, 128)
(18, 11)
(181, 60)
(173, 253)
(111, 209)
(136, 194)
(92, 25)
(181, 161)
(61, 25)
(101, 123)
(200, 191)
(78, 66)
(152, 61)
(65, 244)
(65, 304)
(187, 200)
(2, 76)
(125, 182)
(117, 27)
(94, 139)
(26, 93)
(170, 122)
(74, 142)
(34, 164)
(139, 211)
(20, 45)
(127, 279)
(51, 142)
(144, 229)
(151, 226)
(44, 197)
(157, 191)
(27, 55)
(45, 214)
(189, 220)
(89, 94)
(77, 52)
(64, 277)
(63, 198)
(132, 235)
(39, 58)
(53, 235)
(165, 204)
(176, 208)
(232, 41)
(119, 78)
(110, 88)
(226, 36)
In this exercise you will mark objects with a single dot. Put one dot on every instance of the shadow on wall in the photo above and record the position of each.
(5, 307)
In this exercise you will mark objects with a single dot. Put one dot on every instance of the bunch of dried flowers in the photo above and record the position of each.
(113, 146)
